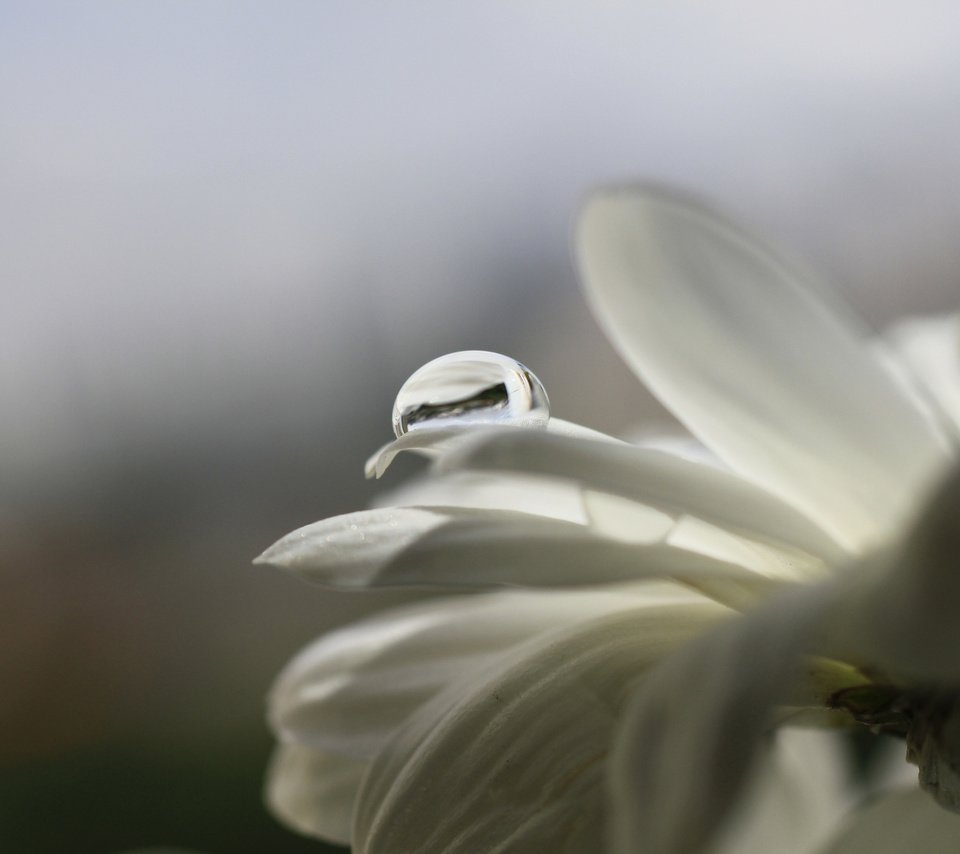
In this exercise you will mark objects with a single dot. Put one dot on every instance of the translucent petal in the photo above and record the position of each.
(348, 692)
(347, 549)
(626, 520)
(550, 497)
(906, 619)
(677, 444)
(903, 821)
(653, 478)
(775, 561)
(314, 792)
(515, 763)
(679, 764)
(432, 441)
(691, 733)
(475, 548)
(929, 349)
(795, 801)
(738, 345)
(427, 442)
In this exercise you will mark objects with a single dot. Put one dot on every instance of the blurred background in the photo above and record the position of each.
(230, 230)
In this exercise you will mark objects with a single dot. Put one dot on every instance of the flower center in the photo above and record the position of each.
(930, 722)
(933, 745)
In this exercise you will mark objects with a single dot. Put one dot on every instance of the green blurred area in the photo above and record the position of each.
(204, 797)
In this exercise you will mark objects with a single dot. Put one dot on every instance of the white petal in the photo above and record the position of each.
(771, 566)
(427, 441)
(559, 427)
(929, 348)
(676, 444)
(434, 440)
(625, 520)
(907, 620)
(681, 761)
(904, 821)
(471, 548)
(735, 342)
(528, 494)
(795, 801)
(775, 561)
(314, 792)
(692, 731)
(515, 762)
(348, 549)
(660, 480)
(348, 692)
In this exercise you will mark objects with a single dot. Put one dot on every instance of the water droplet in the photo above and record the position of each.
(471, 387)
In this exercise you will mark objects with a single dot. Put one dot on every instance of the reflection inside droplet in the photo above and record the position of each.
(471, 387)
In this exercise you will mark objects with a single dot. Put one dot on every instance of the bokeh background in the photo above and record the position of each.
(230, 230)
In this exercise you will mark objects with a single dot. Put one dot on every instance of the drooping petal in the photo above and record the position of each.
(475, 548)
(348, 692)
(738, 345)
(515, 761)
(434, 440)
(427, 442)
(903, 821)
(314, 792)
(648, 477)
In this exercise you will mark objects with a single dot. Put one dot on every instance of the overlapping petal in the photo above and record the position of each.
(680, 764)
(348, 692)
(544, 496)
(491, 722)
(692, 731)
(475, 548)
(349, 549)
(907, 621)
(514, 761)
(795, 800)
(743, 348)
(434, 440)
(653, 478)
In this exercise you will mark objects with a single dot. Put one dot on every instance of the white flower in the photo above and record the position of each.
(610, 690)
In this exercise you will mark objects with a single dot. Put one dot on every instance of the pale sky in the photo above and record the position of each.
(209, 205)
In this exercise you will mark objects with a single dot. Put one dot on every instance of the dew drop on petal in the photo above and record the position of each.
(471, 387)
